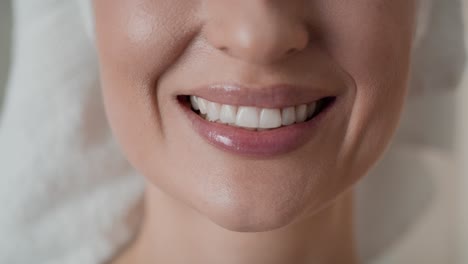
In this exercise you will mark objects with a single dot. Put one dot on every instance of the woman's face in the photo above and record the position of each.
(263, 67)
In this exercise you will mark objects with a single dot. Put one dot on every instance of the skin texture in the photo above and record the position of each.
(197, 196)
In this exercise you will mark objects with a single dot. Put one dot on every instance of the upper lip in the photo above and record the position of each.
(274, 96)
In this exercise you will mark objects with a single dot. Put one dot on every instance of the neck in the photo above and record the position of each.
(174, 233)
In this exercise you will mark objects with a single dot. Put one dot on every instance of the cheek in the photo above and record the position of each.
(144, 37)
(375, 50)
(381, 85)
(137, 43)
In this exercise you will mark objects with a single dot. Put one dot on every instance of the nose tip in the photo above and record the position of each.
(258, 39)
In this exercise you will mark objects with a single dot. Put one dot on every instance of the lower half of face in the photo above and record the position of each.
(252, 116)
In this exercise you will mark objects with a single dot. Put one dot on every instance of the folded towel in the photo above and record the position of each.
(66, 189)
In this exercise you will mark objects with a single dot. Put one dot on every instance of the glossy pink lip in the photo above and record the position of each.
(266, 143)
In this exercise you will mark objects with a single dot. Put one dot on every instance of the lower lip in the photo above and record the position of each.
(266, 143)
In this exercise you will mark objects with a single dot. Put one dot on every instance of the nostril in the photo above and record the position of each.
(291, 51)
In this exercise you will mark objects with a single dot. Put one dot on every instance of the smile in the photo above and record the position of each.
(257, 122)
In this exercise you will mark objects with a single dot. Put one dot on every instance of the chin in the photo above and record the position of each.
(248, 218)
(263, 200)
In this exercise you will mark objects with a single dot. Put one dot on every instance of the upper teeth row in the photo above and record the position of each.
(253, 117)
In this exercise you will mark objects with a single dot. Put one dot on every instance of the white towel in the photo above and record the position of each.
(64, 186)
(69, 196)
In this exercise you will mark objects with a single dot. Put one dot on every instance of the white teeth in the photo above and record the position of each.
(301, 113)
(247, 116)
(311, 109)
(202, 104)
(288, 116)
(213, 110)
(250, 117)
(270, 118)
(228, 114)
(194, 102)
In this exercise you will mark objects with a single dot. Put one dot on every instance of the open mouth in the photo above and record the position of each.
(255, 118)
(261, 122)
